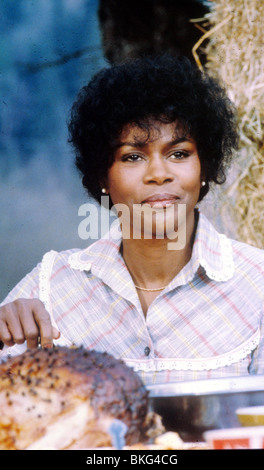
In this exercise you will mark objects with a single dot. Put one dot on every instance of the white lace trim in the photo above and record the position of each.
(227, 271)
(44, 278)
(44, 291)
(208, 363)
(76, 263)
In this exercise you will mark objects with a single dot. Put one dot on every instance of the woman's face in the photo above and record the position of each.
(157, 171)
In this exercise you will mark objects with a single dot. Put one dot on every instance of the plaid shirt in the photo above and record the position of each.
(206, 323)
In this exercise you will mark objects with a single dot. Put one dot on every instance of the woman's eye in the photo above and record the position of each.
(132, 158)
(179, 155)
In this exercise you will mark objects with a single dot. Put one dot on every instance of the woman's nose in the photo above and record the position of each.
(158, 171)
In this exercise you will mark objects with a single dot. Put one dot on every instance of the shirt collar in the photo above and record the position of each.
(101, 254)
(211, 250)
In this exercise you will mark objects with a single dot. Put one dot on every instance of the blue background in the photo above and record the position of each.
(39, 78)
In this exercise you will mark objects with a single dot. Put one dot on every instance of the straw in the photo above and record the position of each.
(234, 48)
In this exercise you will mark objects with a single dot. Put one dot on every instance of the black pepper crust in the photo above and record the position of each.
(111, 386)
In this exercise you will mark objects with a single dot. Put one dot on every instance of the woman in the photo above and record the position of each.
(152, 134)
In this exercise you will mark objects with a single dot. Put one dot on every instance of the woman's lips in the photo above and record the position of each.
(161, 200)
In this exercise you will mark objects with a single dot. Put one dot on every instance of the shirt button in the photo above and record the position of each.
(147, 351)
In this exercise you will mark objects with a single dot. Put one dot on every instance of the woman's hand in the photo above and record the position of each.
(26, 320)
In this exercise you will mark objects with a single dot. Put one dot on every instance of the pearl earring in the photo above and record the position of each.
(103, 190)
(203, 183)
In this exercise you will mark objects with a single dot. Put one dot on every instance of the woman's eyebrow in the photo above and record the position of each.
(136, 143)
(180, 140)
(140, 144)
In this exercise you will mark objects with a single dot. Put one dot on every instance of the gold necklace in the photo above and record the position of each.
(150, 290)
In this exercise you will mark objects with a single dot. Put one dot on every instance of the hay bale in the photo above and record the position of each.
(235, 54)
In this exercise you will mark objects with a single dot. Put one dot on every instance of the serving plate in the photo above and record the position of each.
(193, 407)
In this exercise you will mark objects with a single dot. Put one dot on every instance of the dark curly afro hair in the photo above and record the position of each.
(144, 90)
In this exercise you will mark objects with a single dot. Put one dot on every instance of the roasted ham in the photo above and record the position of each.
(68, 398)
